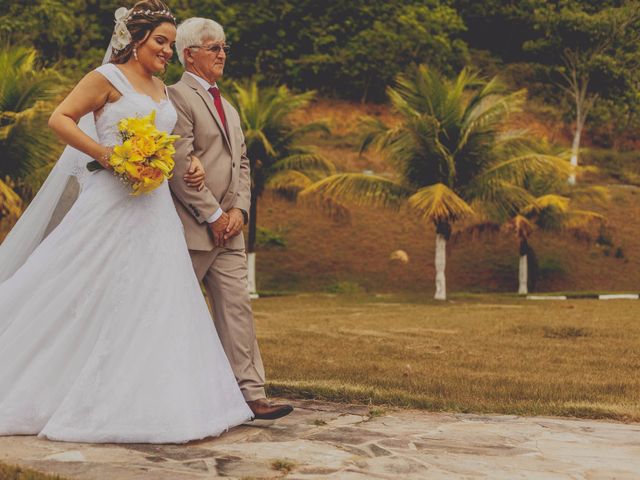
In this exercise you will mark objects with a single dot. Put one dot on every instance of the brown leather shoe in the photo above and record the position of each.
(263, 409)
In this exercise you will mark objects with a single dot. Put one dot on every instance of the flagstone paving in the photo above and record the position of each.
(336, 441)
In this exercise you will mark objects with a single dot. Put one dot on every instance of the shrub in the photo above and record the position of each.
(267, 238)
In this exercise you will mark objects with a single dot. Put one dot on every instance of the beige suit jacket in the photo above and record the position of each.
(224, 157)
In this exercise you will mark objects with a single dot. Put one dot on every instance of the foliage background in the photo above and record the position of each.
(349, 52)
(354, 49)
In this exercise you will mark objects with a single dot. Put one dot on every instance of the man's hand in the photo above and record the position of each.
(194, 177)
(218, 228)
(236, 221)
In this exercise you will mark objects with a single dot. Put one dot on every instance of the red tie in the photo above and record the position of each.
(217, 101)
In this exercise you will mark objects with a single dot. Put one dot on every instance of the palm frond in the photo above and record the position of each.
(554, 213)
(516, 169)
(288, 183)
(10, 202)
(258, 136)
(305, 162)
(594, 193)
(372, 131)
(273, 137)
(489, 114)
(556, 202)
(583, 219)
(438, 203)
(483, 91)
(26, 93)
(499, 199)
(359, 189)
(297, 133)
(29, 185)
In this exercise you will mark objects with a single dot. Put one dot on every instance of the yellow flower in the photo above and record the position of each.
(124, 154)
(144, 145)
(150, 179)
(139, 126)
(165, 165)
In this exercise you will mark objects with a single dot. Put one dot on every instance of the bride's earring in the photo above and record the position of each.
(135, 53)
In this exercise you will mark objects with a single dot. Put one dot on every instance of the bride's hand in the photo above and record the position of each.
(103, 157)
(194, 177)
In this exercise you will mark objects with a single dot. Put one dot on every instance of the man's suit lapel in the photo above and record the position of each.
(204, 95)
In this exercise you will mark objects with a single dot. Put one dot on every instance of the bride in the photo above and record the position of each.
(104, 333)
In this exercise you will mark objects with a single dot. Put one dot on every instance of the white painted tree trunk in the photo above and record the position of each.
(441, 261)
(523, 276)
(251, 259)
(575, 149)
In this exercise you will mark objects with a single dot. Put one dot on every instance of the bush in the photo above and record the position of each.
(622, 166)
(268, 238)
(550, 267)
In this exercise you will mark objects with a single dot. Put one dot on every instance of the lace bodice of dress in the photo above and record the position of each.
(131, 104)
(105, 127)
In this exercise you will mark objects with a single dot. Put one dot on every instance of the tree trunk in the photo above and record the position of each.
(441, 261)
(523, 275)
(251, 260)
(523, 270)
(253, 222)
(575, 150)
(251, 247)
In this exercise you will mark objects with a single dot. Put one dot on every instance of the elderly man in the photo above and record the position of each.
(213, 217)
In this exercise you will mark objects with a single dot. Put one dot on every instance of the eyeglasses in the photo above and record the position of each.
(214, 48)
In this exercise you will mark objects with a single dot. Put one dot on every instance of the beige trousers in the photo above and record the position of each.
(224, 274)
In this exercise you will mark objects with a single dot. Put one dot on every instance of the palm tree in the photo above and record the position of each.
(552, 210)
(279, 158)
(451, 152)
(26, 92)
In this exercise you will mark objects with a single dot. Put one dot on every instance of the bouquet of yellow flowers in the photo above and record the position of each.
(145, 157)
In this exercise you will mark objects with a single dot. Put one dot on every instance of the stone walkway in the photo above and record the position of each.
(333, 441)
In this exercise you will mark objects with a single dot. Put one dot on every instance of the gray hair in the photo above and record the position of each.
(194, 31)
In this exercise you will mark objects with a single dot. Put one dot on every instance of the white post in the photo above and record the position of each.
(523, 275)
(441, 261)
(251, 259)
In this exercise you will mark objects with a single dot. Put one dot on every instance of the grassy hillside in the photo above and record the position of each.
(325, 254)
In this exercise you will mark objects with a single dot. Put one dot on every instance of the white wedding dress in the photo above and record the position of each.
(104, 333)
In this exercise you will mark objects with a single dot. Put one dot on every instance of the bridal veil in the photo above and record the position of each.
(52, 201)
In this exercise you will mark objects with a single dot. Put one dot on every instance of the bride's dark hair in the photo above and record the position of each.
(145, 16)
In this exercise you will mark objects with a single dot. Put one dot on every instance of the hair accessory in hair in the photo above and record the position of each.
(159, 13)
(121, 36)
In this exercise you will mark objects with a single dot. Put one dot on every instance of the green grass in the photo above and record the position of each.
(585, 294)
(10, 472)
(475, 353)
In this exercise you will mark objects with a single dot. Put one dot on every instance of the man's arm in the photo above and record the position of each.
(202, 204)
(243, 198)
(239, 213)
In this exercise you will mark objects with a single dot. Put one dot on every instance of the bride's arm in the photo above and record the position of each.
(195, 174)
(89, 95)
